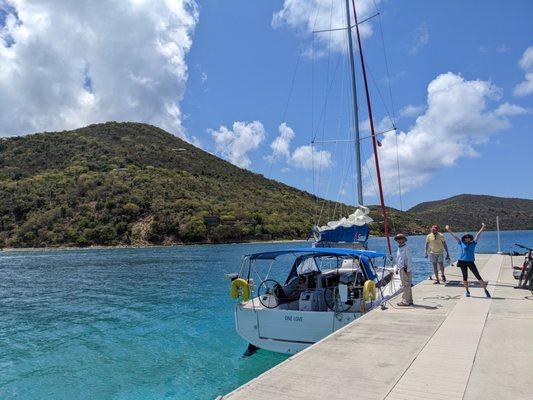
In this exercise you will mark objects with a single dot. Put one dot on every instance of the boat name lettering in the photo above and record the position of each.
(294, 319)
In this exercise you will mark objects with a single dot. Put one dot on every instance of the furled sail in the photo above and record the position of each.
(352, 231)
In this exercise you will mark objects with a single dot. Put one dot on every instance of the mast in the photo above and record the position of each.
(374, 139)
(355, 108)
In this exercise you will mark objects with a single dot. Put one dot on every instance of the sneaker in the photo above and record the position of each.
(467, 294)
(436, 282)
(487, 294)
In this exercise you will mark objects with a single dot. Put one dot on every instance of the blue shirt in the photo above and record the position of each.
(467, 250)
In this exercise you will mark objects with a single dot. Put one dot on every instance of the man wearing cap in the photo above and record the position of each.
(404, 264)
(435, 246)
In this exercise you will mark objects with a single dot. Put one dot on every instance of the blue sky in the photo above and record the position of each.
(233, 78)
(249, 67)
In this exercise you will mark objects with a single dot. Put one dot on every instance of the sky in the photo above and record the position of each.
(250, 82)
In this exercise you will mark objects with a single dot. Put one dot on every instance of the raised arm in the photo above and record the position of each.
(448, 229)
(479, 232)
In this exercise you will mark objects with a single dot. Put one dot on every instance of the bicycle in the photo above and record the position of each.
(526, 276)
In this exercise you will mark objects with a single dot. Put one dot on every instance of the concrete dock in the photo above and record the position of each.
(445, 347)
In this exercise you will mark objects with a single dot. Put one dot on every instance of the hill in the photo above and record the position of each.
(467, 211)
(135, 184)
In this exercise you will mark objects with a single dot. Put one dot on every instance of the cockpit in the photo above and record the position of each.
(321, 280)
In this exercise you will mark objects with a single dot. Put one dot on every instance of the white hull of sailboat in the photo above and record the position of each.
(291, 331)
(286, 331)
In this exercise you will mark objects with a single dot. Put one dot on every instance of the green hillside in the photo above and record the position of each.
(467, 211)
(135, 184)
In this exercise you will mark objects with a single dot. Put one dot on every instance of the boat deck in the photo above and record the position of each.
(445, 347)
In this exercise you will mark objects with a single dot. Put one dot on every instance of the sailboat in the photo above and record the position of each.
(289, 299)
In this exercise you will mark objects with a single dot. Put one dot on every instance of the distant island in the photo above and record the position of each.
(133, 184)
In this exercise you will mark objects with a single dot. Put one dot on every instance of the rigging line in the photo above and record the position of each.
(338, 134)
(347, 150)
(374, 141)
(325, 202)
(327, 70)
(398, 170)
(371, 177)
(313, 119)
(389, 84)
(321, 154)
(329, 186)
(352, 140)
(374, 81)
(313, 109)
(376, 190)
(348, 165)
(284, 115)
(343, 163)
(343, 86)
(386, 61)
(351, 124)
(291, 90)
(327, 99)
(344, 28)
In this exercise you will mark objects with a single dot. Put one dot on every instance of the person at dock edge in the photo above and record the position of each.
(404, 264)
(466, 261)
(435, 246)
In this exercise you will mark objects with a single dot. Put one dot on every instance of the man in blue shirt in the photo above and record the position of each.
(466, 260)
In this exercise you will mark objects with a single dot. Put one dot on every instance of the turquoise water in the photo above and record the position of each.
(153, 323)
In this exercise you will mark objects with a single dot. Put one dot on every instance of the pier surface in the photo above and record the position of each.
(445, 347)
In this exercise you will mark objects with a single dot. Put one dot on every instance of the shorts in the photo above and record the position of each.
(436, 257)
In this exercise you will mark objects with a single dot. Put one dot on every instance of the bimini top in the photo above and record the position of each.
(271, 255)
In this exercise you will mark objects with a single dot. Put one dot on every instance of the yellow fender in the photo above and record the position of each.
(369, 290)
(239, 287)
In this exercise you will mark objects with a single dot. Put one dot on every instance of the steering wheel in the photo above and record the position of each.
(333, 300)
(269, 293)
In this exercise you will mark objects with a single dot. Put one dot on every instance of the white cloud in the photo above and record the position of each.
(307, 16)
(66, 64)
(281, 145)
(457, 119)
(308, 158)
(421, 38)
(305, 157)
(234, 145)
(510, 109)
(526, 63)
(412, 110)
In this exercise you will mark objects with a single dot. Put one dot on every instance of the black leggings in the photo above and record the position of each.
(468, 265)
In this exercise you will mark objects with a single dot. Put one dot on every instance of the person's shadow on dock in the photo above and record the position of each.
(425, 307)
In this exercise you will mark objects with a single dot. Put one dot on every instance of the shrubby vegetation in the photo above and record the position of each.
(467, 211)
(134, 184)
(129, 184)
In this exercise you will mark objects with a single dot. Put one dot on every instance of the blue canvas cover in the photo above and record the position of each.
(351, 234)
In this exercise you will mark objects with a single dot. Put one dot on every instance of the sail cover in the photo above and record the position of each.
(353, 229)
